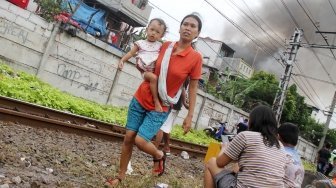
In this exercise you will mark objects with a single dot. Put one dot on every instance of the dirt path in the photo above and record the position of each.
(32, 157)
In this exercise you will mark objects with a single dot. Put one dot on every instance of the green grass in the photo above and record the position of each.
(194, 136)
(308, 166)
(22, 86)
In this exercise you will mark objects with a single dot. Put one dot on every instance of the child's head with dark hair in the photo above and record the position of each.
(156, 29)
(289, 133)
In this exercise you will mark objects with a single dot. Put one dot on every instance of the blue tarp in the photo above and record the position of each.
(90, 19)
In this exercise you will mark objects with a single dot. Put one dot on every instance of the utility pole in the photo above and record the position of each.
(326, 127)
(279, 100)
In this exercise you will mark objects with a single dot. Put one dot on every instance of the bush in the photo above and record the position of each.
(48, 9)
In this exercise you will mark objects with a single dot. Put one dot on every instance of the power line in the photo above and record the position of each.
(251, 37)
(256, 16)
(313, 101)
(255, 26)
(317, 79)
(259, 25)
(311, 20)
(163, 11)
(243, 31)
(300, 70)
(203, 40)
(290, 14)
(332, 7)
(320, 62)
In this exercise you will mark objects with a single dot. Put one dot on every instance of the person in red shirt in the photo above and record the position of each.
(143, 122)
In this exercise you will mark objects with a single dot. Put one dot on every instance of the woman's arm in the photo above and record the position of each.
(222, 160)
(184, 99)
(192, 101)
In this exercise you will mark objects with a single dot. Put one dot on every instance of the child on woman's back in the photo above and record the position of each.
(146, 52)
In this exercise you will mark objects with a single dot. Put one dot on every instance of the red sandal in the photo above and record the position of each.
(162, 162)
(109, 182)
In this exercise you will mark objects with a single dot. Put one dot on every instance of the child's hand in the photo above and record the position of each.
(120, 65)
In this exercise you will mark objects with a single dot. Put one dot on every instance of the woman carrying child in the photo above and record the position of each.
(176, 61)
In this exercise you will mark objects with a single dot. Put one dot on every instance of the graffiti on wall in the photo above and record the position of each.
(7, 28)
(126, 94)
(76, 76)
(207, 111)
(86, 61)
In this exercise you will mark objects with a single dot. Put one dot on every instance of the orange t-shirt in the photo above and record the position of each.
(186, 63)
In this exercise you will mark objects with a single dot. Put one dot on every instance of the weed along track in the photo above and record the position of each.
(17, 111)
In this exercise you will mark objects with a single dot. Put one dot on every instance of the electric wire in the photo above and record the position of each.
(297, 25)
(300, 70)
(248, 35)
(269, 44)
(256, 17)
(163, 11)
(235, 69)
(259, 26)
(320, 62)
(311, 20)
(332, 7)
(313, 101)
(290, 14)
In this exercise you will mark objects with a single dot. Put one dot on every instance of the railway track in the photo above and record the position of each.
(42, 117)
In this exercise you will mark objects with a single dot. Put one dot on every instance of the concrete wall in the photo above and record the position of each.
(85, 66)
(306, 149)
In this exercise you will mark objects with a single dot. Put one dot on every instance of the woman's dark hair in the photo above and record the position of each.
(196, 18)
(262, 120)
(161, 22)
(289, 133)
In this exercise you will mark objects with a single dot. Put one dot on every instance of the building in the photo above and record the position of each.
(217, 56)
(212, 51)
(236, 67)
(112, 21)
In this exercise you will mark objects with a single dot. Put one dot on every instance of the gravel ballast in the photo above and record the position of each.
(32, 157)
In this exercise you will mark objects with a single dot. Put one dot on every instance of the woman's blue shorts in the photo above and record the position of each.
(145, 123)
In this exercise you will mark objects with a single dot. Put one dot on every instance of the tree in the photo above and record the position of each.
(295, 109)
(312, 131)
(261, 89)
(331, 137)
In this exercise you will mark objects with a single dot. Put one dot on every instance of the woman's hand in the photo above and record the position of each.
(187, 124)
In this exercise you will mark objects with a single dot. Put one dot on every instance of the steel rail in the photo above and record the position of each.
(39, 116)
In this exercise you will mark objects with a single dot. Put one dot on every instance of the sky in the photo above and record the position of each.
(270, 23)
